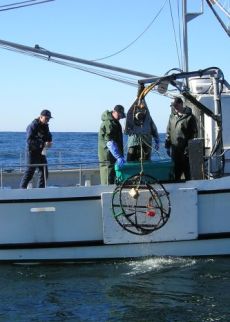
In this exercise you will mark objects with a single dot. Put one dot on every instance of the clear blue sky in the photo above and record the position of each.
(92, 29)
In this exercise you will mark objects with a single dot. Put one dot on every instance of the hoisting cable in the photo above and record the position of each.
(209, 2)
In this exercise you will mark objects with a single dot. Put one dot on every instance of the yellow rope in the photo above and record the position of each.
(146, 90)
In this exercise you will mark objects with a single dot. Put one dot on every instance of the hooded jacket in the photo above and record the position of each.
(145, 131)
(180, 129)
(110, 130)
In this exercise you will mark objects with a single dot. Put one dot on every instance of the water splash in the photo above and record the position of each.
(159, 264)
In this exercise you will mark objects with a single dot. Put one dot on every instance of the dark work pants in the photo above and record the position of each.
(135, 153)
(181, 164)
(107, 173)
(35, 157)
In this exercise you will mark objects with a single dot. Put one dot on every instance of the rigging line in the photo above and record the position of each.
(222, 8)
(104, 74)
(96, 72)
(174, 32)
(38, 55)
(92, 71)
(16, 3)
(138, 37)
(26, 5)
(114, 77)
(218, 18)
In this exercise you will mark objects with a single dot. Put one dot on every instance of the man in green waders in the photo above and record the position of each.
(110, 144)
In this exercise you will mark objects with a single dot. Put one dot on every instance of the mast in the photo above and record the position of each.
(186, 18)
(185, 36)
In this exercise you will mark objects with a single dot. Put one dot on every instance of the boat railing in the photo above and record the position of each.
(73, 173)
(60, 174)
(55, 156)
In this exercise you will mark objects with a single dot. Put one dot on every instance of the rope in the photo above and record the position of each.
(142, 167)
(146, 90)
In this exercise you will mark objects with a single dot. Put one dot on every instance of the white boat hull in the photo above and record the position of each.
(70, 253)
(77, 224)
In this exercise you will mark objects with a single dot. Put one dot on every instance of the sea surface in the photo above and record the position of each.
(153, 289)
(68, 148)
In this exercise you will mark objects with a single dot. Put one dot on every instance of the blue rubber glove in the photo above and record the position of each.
(113, 148)
(120, 162)
(157, 144)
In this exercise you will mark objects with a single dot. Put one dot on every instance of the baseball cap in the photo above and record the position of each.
(46, 113)
(120, 109)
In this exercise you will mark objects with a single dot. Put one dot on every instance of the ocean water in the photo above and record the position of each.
(68, 148)
(155, 289)
(152, 289)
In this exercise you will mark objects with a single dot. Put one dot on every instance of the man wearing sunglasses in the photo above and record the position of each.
(38, 138)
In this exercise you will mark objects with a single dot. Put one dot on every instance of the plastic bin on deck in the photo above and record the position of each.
(163, 170)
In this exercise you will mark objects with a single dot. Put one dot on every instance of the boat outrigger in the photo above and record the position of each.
(147, 213)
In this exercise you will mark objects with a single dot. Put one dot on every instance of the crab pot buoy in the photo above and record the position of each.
(134, 193)
(150, 213)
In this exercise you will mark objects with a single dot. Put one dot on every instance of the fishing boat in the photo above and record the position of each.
(147, 213)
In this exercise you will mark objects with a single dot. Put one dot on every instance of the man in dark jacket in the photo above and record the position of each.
(110, 144)
(182, 127)
(38, 138)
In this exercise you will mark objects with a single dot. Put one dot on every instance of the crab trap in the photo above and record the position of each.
(140, 204)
